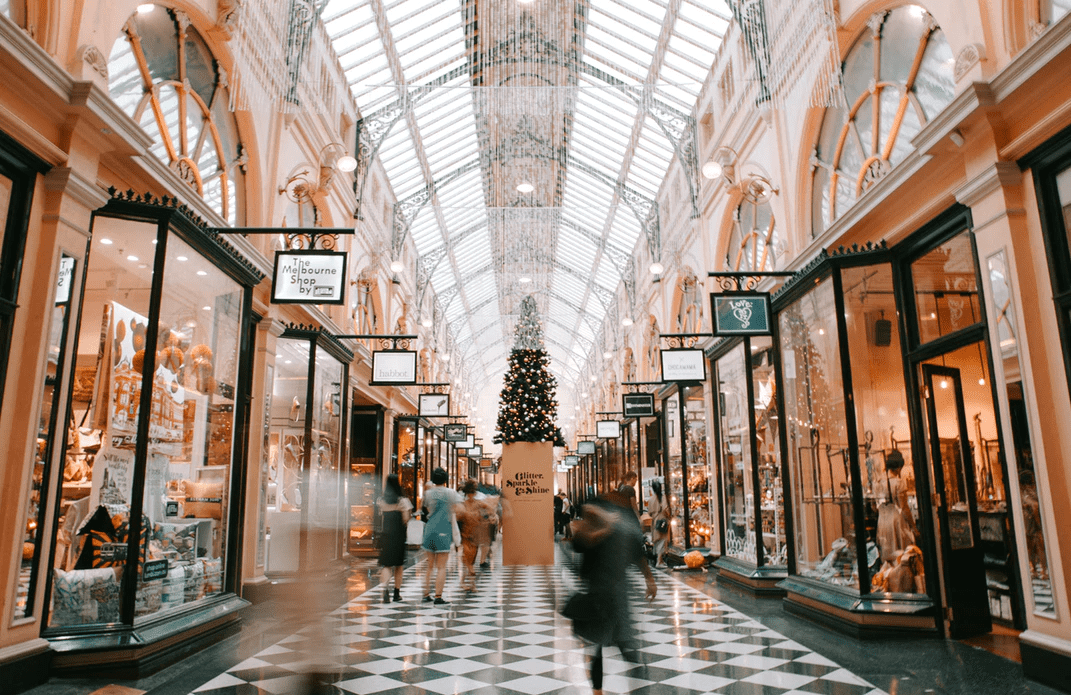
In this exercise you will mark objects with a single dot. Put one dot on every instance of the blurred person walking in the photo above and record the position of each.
(608, 536)
(394, 510)
(475, 517)
(441, 502)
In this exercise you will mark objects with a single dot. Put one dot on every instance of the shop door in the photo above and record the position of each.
(966, 599)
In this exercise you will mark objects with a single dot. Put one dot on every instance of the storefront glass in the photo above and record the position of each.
(675, 488)
(946, 289)
(47, 440)
(736, 462)
(891, 509)
(700, 517)
(818, 462)
(1030, 500)
(188, 347)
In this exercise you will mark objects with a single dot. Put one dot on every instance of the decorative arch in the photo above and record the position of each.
(162, 73)
(897, 76)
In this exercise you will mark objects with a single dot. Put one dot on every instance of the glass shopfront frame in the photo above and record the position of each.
(365, 476)
(156, 418)
(749, 460)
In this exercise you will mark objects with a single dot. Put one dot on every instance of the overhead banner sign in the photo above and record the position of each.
(607, 429)
(741, 313)
(309, 277)
(683, 365)
(455, 432)
(434, 405)
(571, 460)
(393, 368)
(638, 405)
(585, 448)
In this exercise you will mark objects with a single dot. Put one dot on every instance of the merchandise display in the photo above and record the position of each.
(189, 427)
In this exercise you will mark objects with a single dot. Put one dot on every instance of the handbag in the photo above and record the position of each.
(661, 524)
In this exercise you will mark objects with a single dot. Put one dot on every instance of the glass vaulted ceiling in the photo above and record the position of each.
(585, 100)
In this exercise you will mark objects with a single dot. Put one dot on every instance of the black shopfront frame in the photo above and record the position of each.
(169, 219)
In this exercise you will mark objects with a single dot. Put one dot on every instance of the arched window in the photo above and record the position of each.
(754, 243)
(897, 77)
(163, 75)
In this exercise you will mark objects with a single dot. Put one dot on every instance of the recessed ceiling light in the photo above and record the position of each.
(608, 355)
(289, 361)
(146, 8)
(207, 308)
(182, 258)
(132, 258)
(594, 378)
(626, 321)
(525, 187)
(657, 268)
(524, 279)
(143, 265)
(396, 266)
(202, 273)
(426, 323)
(155, 241)
(107, 242)
(584, 395)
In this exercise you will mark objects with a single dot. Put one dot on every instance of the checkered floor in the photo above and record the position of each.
(509, 637)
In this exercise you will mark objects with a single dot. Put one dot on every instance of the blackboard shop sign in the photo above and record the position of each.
(309, 277)
(154, 569)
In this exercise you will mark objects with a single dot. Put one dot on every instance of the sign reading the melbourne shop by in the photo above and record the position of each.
(683, 365)
(638, 405)
(309, 277)
(393, 367)
(741, 314)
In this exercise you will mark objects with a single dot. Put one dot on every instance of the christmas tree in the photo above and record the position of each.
(527, 406)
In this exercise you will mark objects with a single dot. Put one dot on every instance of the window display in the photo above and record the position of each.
(671, 408)
(305, 480)
(817, 439)
(145, 496)
(49, 438)
(700, 516)
(736, 462)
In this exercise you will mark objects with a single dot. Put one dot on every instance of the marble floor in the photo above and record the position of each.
(508, 636)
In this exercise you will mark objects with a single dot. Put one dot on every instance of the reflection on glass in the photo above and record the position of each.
(768, 455)
(736, 460)
(888, 477)
(94, 507)
(1030, 502)
(673, 468)
(817, 439)
(46, 441)
(405, 458)
(699, 502)
(285, 494)
(946, 289)
(6, 186)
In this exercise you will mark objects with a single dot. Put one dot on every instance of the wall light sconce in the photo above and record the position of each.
(334, 157)
(753, 186)
(396, 266)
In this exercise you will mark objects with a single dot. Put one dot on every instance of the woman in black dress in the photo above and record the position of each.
(394, 510)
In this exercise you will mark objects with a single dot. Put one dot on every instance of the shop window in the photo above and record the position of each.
(157, 368)
(1031, 509)
(736, 460)
(49, 437)
(754, 243)
(305, 509)
(818, 454)
(163, 75)
(896, 78)
(946, 289)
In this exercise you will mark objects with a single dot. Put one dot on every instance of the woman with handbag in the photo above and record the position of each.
(609, 537)
(659, 511)
(394, 509)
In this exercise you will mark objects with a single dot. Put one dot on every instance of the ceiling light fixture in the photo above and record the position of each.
(396, 266)
(202, 273)
(107, 242)
(207, 308)
(607, 355)
(524, 279)
(426, 323)
(346, 163)
(132, 258)
(657, 268)
(626, 321)
(146, 8)
(525, 187)
(182, 258)
(712, 170)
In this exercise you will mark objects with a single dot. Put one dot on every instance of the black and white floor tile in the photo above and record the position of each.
(509, 637)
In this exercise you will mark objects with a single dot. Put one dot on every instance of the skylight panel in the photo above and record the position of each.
(610, 68)
(625, 36)
(693, 69)
(575, 249)
(712, 14)
(614, 51)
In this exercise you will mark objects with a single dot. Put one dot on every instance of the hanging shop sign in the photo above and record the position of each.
(607, 429)
(468, 442)
(394, 368)
(741, 313)
(638, 405)
(309, 276)
(683, 365)
(434, 405)
(455, 432)
(585, 448)
(487, 464)
(571, 460)
(475, 452)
